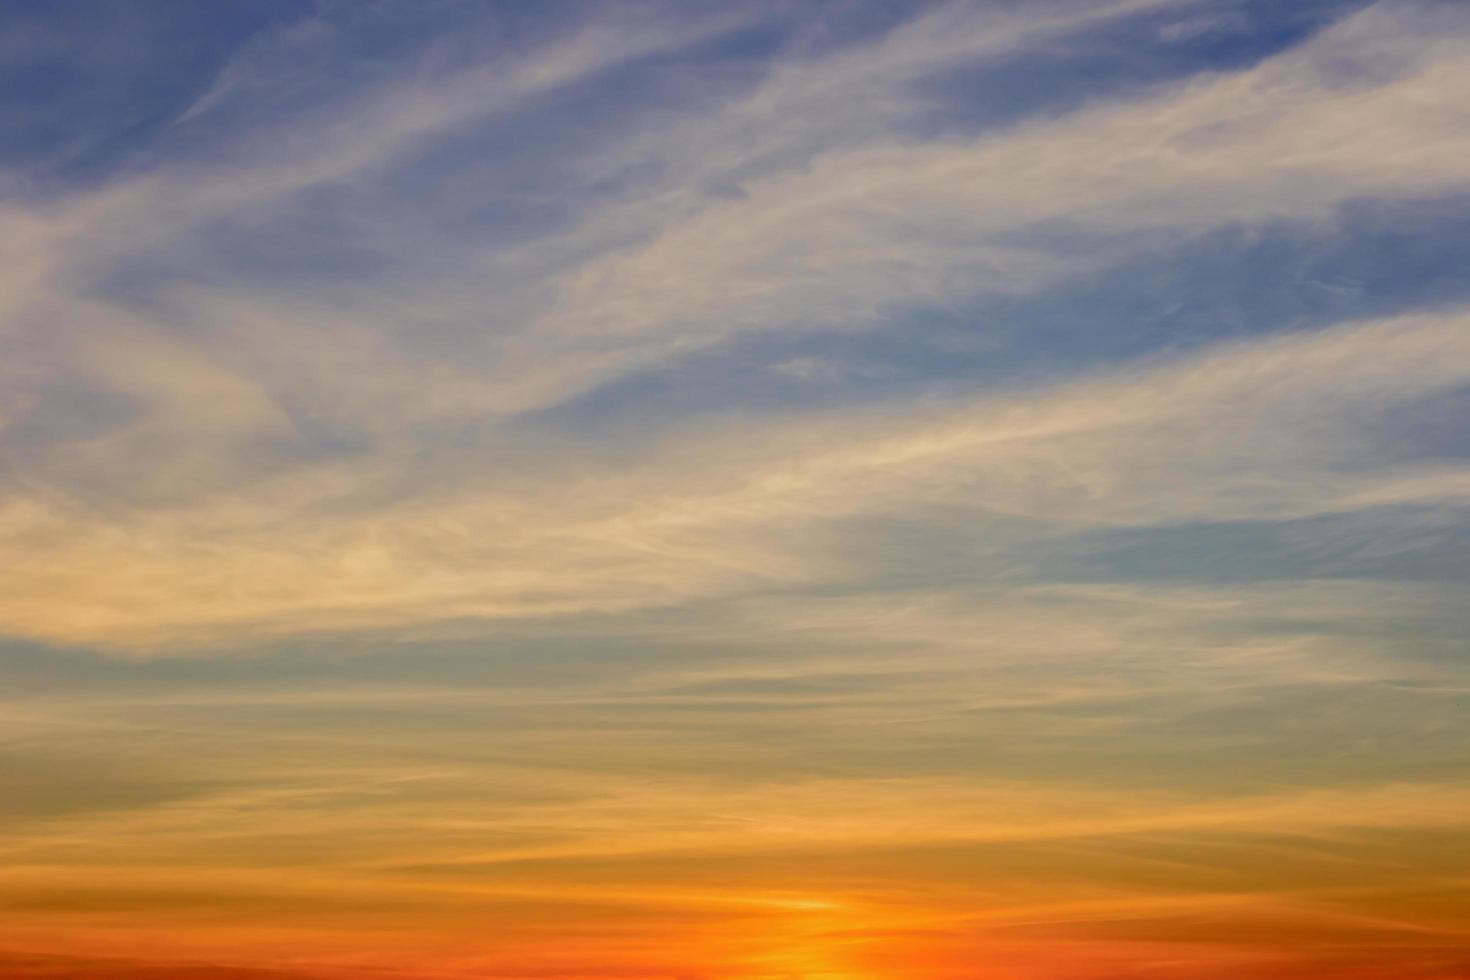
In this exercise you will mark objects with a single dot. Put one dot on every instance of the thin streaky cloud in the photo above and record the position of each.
(839, 490)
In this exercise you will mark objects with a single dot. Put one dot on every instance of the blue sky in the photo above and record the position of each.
(710, 415)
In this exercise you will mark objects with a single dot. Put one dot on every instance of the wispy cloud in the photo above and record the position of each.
(584, 468)
(1262, 430)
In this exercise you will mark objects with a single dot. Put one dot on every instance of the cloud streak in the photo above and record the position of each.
(1264, 430)
(482, 489)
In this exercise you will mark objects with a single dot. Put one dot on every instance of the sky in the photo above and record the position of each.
(775, 490)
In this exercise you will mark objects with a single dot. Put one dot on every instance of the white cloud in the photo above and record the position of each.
(861, 230)
(206, 507)
(1267, 430)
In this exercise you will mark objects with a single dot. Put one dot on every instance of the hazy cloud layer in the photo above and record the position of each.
(883, 488)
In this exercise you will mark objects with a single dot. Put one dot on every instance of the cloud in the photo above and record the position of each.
(1266, 430)
(858, 232)
(335, 440)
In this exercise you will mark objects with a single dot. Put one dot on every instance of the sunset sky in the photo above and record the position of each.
(745, 490)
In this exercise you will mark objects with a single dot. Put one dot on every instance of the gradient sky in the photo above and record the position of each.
(763, 490)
